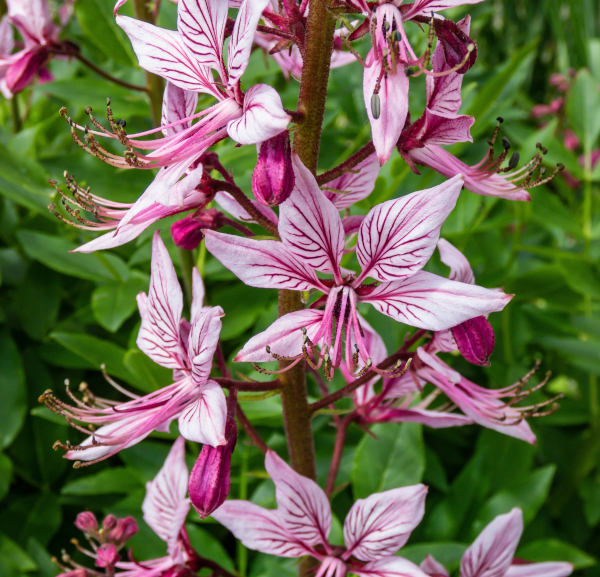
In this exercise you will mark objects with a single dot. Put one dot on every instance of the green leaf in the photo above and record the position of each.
(115, 302)
(582, 109)
(555, 550)
(583, 353)
(394, 458)
(54, 252)
(45, 566)
(97, 23)
(583, 277)
(13, 560)
(448, 554)
(6, 470)
(12, 390)
(529, 496)
(147, 375)
(38, 301)
(113, 480)
(209, 546)
(96, 352)
(590, 494)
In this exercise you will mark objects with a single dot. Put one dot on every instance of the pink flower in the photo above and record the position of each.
(185, 347)
(188, 59)
(374, 529)
(492, 554)
(33, 21)
(395, 240)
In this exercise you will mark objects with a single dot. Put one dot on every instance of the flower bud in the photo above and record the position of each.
(209, 479)
(273, 176)
(124, 530)
(109, 522)
(187, 232)
(86, 522)
(475, 340)
(107, 555)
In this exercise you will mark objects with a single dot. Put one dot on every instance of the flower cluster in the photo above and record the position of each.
(305, 235)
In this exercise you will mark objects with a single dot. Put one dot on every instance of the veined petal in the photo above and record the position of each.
(433, 419)
(432, 567)
(355, 185)
(263, 116)
(302, 505)
(203, 340)
(242, 37)
(309, 225)
(430, 302)
(165, 506)
(161, 311)
(203, 420)
(549, 569)
(382, 523)
(398, 237)
(201, 24)
(197, 293)
(389, 567)
(426, 7)
(259, 529)
(284, 337)
(386, 101)
(491, 553)
(178, 104)
(261, 263)
(439, 130)
(460, 269)
(163, 52)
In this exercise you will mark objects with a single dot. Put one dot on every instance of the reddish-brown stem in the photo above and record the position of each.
(249, 429)
(235, 224)
(245, 203)
(346, 390)
(245, 386)
(105, 74)
(221, 361)
(347, 165)
(338, 450)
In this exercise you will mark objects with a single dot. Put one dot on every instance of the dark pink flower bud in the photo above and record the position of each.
(187, 232)
(273, 176)
(475, 340)
(109, 522)
(457, 46)
(21, 72)
(86, 522)
(209, 480)
(107, 555)
(124, 530)
(81, 572)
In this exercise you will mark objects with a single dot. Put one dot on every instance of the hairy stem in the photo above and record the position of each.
(313, 83)
(154, 84)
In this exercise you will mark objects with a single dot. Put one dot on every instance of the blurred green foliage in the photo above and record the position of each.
(64, 314)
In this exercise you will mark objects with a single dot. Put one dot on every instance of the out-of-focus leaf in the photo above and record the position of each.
(583, 353)
(12, 389)
(242, 306)
(96, 352)
(53, 252)
(555, 550)
(24, 182)
(45, 566)
(115, 302)
(529, 495)
(583, 277)
(37, 516)
(38, 301)
(582, 109)
(590, 495)
(211, 548)
(14, 562)
(97, 23)
(148, 376)
(448, 554)
(113, 480)
(6, 469)
(394, 458)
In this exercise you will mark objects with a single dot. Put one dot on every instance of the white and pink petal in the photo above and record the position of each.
(398, 237)
(379, 525)
(203, 419)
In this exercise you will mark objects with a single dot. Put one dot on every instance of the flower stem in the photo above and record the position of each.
(338, 450)
(106, 75)
(348, 164)
(154, 84)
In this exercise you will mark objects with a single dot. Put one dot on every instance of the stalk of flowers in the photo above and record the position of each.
(196, 401)
(395, 240)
